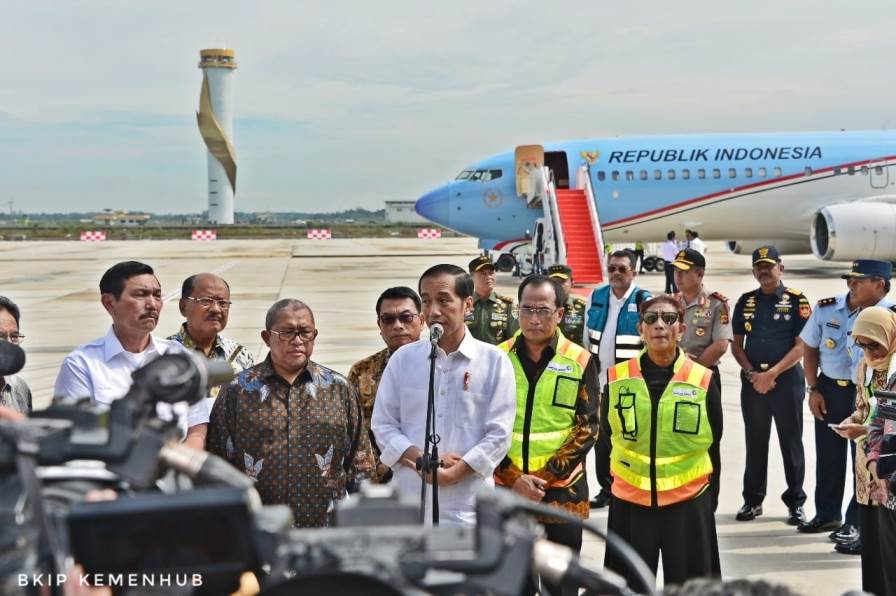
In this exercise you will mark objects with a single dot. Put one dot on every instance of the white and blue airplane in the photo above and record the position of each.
(828, 192)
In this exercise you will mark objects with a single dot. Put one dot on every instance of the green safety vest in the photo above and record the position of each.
(670, 464)
(553, 408)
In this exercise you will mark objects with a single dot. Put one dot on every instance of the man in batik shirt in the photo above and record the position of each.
(293, 425)
(399, 320)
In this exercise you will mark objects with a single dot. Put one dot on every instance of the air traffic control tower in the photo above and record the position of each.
(215, 118)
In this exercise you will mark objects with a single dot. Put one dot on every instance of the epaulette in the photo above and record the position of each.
(577, 298)
(827, 301)
(719, 296)
(793, 292)
(503, 298)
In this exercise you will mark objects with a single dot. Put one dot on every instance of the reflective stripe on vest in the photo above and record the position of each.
(683, 434)
(554, 405)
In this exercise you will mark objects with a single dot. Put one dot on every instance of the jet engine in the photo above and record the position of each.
(849, 231)
(785, 247)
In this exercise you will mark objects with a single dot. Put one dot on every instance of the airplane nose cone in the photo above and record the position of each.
(434, 206)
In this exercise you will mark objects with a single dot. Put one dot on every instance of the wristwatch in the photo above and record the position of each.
(811, 388)
(749, 373)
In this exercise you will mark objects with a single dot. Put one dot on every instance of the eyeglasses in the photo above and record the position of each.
(541, 312)
(619, 268)
(651, 316)
(207, 302)
(406, 318)
(302, 334)
(13, 338)
(871, 346)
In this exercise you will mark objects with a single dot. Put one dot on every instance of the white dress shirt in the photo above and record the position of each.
(101, 369)
(698, 245)
(606, 351)
(670, 251)
(475, 406)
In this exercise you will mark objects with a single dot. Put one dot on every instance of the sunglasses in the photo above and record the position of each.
(669, 318)
(619, 268)
(871, 346)
(406, 318)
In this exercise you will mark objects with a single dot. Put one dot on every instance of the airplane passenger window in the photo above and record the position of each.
(615, 175)
(851, 170)
(629, 175)
(878, 170)
(701, 174)
(643, 174)
(864, 170)
(808, 171)
(777, 172)
(685, 174)
(464, 175)
(748, 172)
(732, 173)
(836, 171)
(762, 172)
(657, 174)
(670, 174)
(496, 174)
(601, 176)
(716, 173)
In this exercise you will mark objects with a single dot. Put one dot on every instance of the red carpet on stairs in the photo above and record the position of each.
(581, 250)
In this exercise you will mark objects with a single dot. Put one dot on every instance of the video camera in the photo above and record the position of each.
(219, 531)
(886, 464)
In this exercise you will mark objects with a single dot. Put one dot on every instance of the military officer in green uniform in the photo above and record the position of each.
(493, 319)
(573, 324)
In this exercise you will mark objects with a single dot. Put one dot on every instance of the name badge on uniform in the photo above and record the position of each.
(559, 368)
(684, 392)
(632, 307)
(833, 324)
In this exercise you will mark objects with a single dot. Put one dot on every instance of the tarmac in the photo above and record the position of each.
(56, 286)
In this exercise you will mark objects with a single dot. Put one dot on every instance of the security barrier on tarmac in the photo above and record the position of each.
(424, 233)
(93, 236)
(319, 234)
(205, 235)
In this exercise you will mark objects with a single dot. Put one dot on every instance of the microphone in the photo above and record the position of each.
(435, 333)
(12, 358)
(561, 565)
(202, 466)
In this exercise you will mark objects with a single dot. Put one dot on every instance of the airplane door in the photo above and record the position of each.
(879, 174)
(527, 158)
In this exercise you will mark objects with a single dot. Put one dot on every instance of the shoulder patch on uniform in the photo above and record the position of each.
(719, 296)
(503, 298)
(579, 300)
(793, 292)
(827, 301)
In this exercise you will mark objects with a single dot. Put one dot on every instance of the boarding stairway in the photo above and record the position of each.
(573, 228)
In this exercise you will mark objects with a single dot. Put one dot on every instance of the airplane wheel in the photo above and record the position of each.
(649, 263)
(660, 264)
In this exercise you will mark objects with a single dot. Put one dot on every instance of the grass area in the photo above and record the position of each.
(183, 232)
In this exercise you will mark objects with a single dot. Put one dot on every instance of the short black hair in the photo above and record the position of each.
(695, 234)
(540, 280)
(10, 307)
(116, 276)
(670, 235)
(463, 283)
(624, 254)
(399, 293)
(186, 288)
(285, 304)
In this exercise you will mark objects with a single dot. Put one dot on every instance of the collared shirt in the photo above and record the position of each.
(475, 405)
(670, 250)
(101, 370)
(606, 353)
(828, 331)
(707, 321)
(303, 443)
(364, 377)
(15, 394)
(492, 319)
(697, 245)
(223, 349)
(770, 323)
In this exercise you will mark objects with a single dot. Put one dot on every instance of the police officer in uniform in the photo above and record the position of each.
(707, 334)
(492, 319)
(766, 324)
(830, 365)
(573, 324)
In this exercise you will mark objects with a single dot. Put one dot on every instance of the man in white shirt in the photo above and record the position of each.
(475, 401)
(101, 369)
(670, 251)
(694, 242)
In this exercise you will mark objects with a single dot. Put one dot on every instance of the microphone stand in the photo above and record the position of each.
(429, 462)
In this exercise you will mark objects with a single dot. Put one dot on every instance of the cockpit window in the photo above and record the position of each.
(479, 175)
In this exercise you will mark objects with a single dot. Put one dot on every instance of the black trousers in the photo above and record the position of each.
(568, 535)
(639, 261)
(784, 405)
(670, 279)
(872, 564)
(831, 453)
(886, 526)
(685, 534)
(714, 454)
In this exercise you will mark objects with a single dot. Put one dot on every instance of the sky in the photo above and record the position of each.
(348, 104)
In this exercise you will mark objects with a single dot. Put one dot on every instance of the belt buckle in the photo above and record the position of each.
(842, 383)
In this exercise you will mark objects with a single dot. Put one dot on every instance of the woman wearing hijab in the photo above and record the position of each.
(875, 333)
